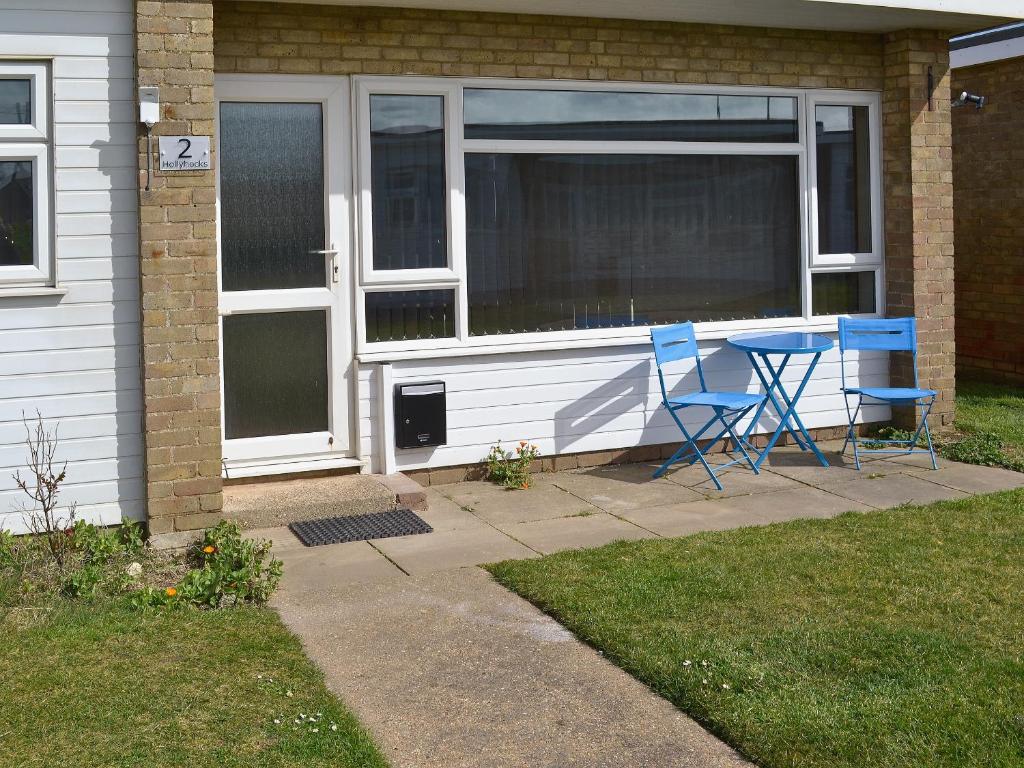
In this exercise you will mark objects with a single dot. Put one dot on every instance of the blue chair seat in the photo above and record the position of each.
(732, 401)
(892, 394)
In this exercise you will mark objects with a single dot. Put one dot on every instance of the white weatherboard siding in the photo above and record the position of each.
(75, 357)
(588, 400)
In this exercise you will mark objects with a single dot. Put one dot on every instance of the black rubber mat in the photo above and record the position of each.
(378, 525)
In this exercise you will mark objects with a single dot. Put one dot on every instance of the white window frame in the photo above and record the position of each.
(31, 143)
(457, 146)
(847, 99)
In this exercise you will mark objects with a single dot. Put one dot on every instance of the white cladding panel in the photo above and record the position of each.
(75, 357)
(588, 400)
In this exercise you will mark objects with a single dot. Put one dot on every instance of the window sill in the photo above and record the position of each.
(641, 337)
(32, 290)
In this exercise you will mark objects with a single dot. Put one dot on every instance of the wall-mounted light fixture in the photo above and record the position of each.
(966, 98)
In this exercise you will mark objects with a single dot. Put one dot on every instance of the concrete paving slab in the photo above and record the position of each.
(621, 487)
(691, 517)
(793, 504)
(970, 478)
(313, 572)
(452, 670)
(444, 550)
(443, 514)
(502, 506)
(804, 467)
(893, 490)
(736, 481)
(594, 530)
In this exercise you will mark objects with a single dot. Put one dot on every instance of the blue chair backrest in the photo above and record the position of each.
(895, 335)
(675, 342)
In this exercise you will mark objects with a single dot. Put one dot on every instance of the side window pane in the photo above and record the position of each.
(402, 315)
(615, 116)
(271, 196)
(15, 102)
(408, 183)
(843, 293)
(16, 201)
(573, 241)
(844, 179)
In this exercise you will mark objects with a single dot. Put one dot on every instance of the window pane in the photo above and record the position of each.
(844, 179)
(615, 116)
(401, 315)
(15, 102)
(408, 182)
(843, 293)
(16, 199)
(560, 242)
(275, 374)
(271, 196)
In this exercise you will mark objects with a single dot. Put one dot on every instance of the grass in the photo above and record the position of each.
(997, 410)
(101, 684)
(885, 639)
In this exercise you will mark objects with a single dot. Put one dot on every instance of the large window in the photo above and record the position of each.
(556, 211)
(24, 175)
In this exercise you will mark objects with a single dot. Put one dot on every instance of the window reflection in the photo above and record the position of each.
(15, 102)
(844, 179)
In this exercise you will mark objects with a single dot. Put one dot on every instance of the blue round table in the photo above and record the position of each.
(759, 346)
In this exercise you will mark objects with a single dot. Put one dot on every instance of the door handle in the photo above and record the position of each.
(324, 252)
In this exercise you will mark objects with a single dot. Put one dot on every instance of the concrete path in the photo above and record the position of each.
(450, 670)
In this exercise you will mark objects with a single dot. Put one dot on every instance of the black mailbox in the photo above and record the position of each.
(420, 414)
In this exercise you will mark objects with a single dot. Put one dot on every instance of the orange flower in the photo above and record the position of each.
(209, 549)
(170, 591)
(525, 485)
(522, 443)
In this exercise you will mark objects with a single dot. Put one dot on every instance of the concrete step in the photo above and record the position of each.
(276, 503)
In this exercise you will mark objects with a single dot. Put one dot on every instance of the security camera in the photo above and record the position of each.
(968, 98)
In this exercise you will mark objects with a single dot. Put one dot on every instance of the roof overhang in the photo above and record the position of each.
(838, 15)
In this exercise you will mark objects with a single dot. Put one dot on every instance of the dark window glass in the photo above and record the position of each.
(271, 196)
(402, 315)
(16, 203)
(560, 242)
(843, 293)
(844, 179)
(616, 116)
(15, 102)
(408, 183)
(275, 374)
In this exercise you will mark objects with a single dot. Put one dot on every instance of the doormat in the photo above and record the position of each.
(377, 525)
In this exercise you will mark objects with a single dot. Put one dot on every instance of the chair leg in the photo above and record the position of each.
(736, 441)
(853, 433)
(851, 420)
(928, 434)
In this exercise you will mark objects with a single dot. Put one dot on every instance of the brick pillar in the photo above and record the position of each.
(181, 386)
(918, 181)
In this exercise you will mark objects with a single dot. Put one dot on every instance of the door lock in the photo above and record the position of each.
(335, 267)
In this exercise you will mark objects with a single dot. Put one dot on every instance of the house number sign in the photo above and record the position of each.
(184, 153)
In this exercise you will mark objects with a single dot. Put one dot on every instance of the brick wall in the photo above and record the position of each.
(179, 277)
(918, 175)
(310, 39)
(988, 169)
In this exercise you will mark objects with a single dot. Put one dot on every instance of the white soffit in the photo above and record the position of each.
(838, 15)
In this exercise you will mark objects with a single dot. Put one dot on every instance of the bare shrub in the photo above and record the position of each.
(42, 485)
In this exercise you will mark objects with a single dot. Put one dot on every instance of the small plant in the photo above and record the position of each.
(983, 448)
(42, 486)
(228, 570)
(509, 469)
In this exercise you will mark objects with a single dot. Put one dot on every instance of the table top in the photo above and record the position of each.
(782, 343)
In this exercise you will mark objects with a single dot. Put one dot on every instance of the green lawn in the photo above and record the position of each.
(993, 409)
(885, 639)
(102, 685)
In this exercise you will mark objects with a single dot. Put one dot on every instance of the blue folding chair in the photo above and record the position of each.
(899, 335)
(678, 342)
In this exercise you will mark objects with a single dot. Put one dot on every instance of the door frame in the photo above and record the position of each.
(284, 453)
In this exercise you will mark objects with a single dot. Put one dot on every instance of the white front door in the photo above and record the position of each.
(284, 180)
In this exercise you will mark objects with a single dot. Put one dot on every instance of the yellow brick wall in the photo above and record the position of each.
(315, 39)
